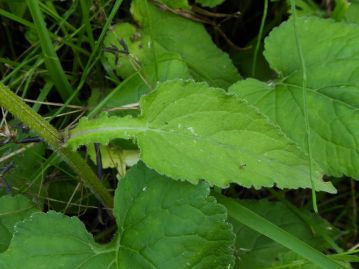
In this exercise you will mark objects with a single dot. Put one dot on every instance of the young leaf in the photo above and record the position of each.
(115, 157)
(190, 131)
(12, 210)
(126, 45)
(161, 224)
(332, 90)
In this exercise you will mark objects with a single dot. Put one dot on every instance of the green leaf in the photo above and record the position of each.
(341, 9)
(137, 44)
(190, 131)
(332, 90)
(183, 4)
(12, 210)
(256, 251)
(161, 224)
(140, 69)
(188, 39)
(161, 50)
(210, 3)
(352, 12)
(168, 67)
(307, 8)
(174, 221)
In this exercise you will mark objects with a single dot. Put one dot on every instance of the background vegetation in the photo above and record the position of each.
(70, 59)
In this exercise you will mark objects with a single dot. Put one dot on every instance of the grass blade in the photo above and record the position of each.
(265, 227)
(52, 62)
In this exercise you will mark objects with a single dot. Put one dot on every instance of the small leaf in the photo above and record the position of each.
(332, 90)
(12, 210)
(114, 156)
(189, 39)
(136, 43)
(161, 224)
(190, 131)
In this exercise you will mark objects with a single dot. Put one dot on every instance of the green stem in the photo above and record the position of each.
(34, 121)
(259, 37)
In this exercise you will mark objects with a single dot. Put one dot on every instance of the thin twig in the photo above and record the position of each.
(16, 152)
(52, 103)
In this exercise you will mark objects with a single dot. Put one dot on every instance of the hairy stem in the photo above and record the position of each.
(34, 121)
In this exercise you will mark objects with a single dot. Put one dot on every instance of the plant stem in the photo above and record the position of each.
(259, 38)
(34, 121)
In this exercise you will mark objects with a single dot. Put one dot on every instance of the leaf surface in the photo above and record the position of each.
(190, 131)
(332, 88)
(210, 3)
(161, 224)
(167, 67)
(183, 4)
(12, 210)
(189, 39)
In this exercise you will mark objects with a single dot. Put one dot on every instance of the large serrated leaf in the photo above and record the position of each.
(332, 89)
(190, 131)
(12, 210)
(162, 224)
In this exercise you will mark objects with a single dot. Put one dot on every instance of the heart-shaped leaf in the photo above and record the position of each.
(162, 224)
